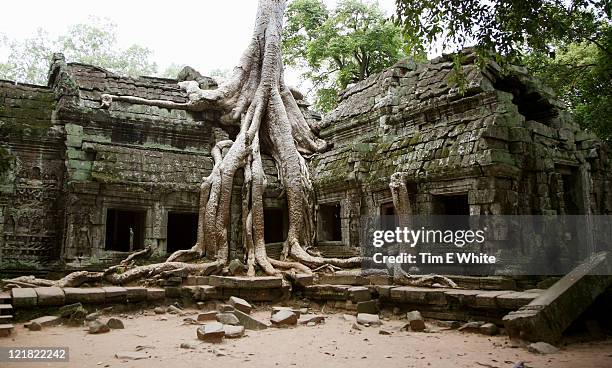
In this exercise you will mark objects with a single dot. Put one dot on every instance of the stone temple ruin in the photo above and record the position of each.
(82, 184)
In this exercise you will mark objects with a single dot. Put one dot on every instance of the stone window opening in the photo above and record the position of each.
(388, 216)
(275, 225)
(181, 231)
(125, 230)
(453, 210)
(531, 104)
(329, 222)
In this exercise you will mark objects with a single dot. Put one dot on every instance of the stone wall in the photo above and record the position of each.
(31, 176)
(501, 142)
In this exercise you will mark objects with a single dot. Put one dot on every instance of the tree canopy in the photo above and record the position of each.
(92, 43)
(340, 46)
(566, 42)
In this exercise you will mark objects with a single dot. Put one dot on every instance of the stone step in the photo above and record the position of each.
(6, 330)
(5, 297)
(6, 318)
(6, 309)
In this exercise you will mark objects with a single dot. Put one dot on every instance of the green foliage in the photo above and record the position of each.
(341, 46)
(581, 74)
(92, 43)
(567, 43)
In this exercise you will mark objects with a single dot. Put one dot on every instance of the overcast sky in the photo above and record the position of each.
(205, 34)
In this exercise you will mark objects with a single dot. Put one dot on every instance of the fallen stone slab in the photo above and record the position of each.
(546, 317)
(416, 321)
(45, 321)
(115, 324)
(359, 294)
(310, 318)
(97, 327)
(277, 309)
(237, 282)
(240, 304)
(50, 296)
(207, 316)
(131, 355)
(115, 294)
(368, 319)
(24, 297)
(211, 332)
(85, 295)
(473, 326)
(542, 348)
(232, 332)
(284, 318)
(227, 319)
(249, 322)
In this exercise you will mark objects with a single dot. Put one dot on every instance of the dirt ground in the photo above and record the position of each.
(332, 344)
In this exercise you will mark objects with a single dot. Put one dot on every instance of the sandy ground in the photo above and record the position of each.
(332, 344)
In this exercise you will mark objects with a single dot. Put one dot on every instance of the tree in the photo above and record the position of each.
(581, 73)
(339, 47)
(92, 43)
(567, 43)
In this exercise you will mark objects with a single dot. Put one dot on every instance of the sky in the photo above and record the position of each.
(205, 34)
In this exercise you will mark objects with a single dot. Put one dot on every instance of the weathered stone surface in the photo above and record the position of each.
(473, 326)
(97, 327)
(136, 294)
(115, 324)
(337, 279)
(277, 309)
(327, 292)
(310, 318)
(207, 316)
(542, 348)
(115, 294)
(232, 332)
(260, 282)
(93, 316)
(24, 297)
(370, 306)
(489, 329)
(236, 268)
(304, 279)
(226, 308)
(156, 294)
(77, 317)
(50, 296)
(46, 321)
(547, 316)
(249, 322)
(211, 332)
(240, 304)
(131, 355)
(284, 318)
(416, 321)
(368, 319)
(227, 319)
(359, 294)
(34, 326)
(159, 310)
(67, 310)
(173, 309)
(85, 295)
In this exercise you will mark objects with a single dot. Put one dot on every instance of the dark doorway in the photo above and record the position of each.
(182, 231)
(388, 216)
(330, 225)
(125, 230)
(275, 229)
(451, 205)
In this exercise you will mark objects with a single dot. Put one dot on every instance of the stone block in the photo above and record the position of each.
(370, 306)
(85, 295)
(235, 282)
(46, 321)
(416, 321)
(207, 316)
(173, 291)
(115, 294)
(359, 294)
(250, 323)
(227, 318)
(50, 296)
(232, 332)
(211, 332)
(206, 292)
(136, 294)
(304, 280)
(24, 297)
(368, 319)
(240, 304)
(284, 318)
(156, 294)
